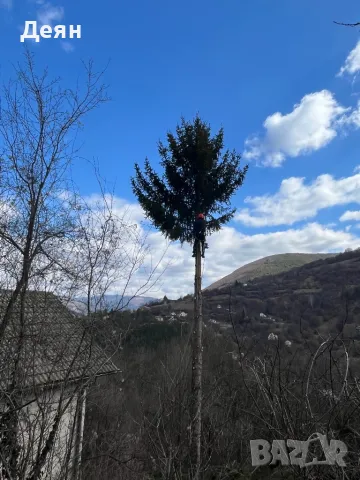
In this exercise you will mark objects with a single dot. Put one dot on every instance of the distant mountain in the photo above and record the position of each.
(272, 265)
(110, 302)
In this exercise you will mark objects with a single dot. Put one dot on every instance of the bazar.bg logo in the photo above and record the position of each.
(262, 453)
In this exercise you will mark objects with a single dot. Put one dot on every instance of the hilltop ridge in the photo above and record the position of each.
(271, 265)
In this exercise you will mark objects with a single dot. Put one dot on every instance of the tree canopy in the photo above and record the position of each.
(198, 176)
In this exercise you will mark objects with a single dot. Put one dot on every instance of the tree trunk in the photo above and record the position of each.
(196, 387)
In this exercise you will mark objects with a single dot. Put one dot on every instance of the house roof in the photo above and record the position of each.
(55, 346)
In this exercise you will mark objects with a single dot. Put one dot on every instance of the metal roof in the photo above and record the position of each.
(53, 345)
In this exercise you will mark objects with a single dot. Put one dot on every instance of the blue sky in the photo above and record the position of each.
(280, 77)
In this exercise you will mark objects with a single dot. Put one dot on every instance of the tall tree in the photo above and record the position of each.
(198, 176)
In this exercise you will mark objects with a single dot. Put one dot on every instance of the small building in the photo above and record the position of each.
(48, 361)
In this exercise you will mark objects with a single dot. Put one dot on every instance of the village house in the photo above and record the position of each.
(48, 359)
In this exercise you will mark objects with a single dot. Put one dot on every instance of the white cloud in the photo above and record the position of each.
(310, 126)
(228, 249)
(352, 63)
(352, 119)
(67, 47)
(350, 215)
(296, 201)
(48, 13)
(357, 169)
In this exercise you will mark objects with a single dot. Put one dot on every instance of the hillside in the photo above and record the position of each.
(271, 265)
(314, 294)
(300, 309)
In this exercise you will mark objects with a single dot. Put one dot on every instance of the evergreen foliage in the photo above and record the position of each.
(197, 177)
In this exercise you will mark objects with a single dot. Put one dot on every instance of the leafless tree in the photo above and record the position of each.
(348, 24)
(53, 240)
(38, 128)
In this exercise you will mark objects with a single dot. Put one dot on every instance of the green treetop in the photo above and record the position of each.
(198, 176)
